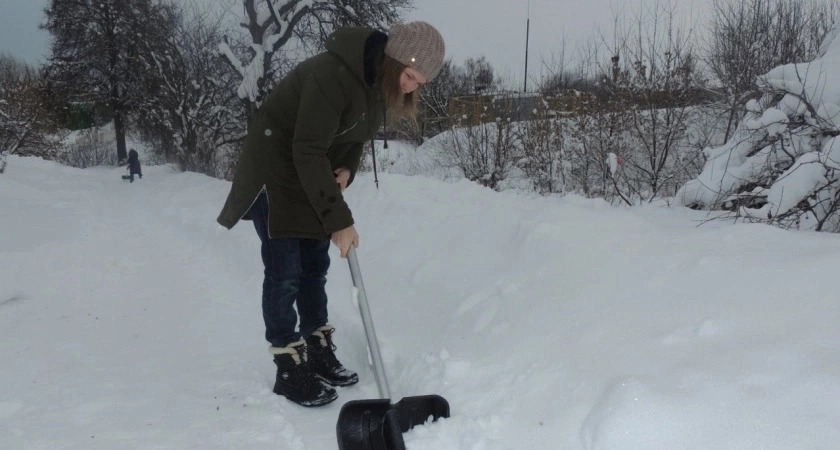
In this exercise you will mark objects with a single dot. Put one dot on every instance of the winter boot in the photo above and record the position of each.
(323, 361)
(295, 378)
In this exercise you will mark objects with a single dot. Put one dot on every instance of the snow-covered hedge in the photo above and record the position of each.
(782, 165)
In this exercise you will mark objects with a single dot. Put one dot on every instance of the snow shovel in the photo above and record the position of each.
(376, 424)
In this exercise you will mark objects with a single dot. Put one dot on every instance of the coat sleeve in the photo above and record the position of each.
(354, 158)
(321, 103)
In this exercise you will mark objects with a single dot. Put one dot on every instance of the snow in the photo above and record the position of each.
(773, 120)
(612, 159)
(794, 184)
(129, 318)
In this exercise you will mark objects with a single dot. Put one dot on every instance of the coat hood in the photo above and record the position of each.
(358, 48)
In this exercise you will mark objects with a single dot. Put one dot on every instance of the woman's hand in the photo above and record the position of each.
(343, 239)
(342, 176)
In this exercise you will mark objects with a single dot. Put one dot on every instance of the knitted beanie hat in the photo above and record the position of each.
(417, 45)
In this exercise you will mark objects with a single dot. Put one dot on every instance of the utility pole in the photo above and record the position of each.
(527, 35)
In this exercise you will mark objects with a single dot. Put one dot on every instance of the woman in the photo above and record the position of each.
(302, 150)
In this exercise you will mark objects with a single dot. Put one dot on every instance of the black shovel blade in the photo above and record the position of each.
(416, 410)
(378, 425)
(369, 425)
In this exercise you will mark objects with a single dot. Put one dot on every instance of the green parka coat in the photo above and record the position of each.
(315, 120)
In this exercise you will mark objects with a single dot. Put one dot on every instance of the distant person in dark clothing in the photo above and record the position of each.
(134, 165)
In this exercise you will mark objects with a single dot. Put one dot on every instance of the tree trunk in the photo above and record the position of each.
(119, 129)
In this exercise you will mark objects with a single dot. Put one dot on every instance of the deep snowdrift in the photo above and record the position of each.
(129, 319)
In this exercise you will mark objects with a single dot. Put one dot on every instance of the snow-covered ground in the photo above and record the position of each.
(129, 319)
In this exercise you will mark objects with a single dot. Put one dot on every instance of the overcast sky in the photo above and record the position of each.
(497, 28)
(19, 33)
(471, 28)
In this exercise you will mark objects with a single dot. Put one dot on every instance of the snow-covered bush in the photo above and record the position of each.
(747, 38)
(543, 144)
(88, 148)
(782, 164)
(485, 153)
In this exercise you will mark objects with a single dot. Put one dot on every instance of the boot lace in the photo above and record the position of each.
(303, 371)
(327, 353)
(328, 338)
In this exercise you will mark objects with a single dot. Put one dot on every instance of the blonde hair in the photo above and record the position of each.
(400, 106)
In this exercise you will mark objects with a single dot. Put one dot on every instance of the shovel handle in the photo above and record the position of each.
(367, 321)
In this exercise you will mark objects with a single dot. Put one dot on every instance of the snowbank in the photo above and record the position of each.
(128, 319)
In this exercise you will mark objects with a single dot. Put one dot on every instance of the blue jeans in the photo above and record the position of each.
(295, 274)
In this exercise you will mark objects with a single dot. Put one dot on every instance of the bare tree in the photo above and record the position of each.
(658, 88)
(274, 25)
(559, 75)
(543, 138)
(747, 38)
(434, 100)
(599, 128)
(24, 117)
(95, 50)
(474, 77)
(191, 109)
(478, 75)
